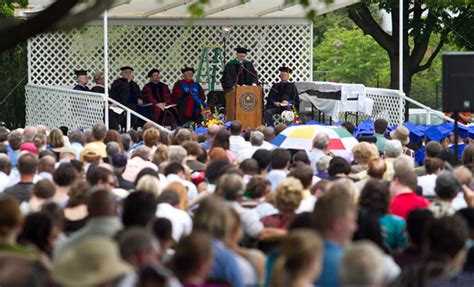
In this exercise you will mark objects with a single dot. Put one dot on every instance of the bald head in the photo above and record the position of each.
(463, 174)
(101, 202)
(5, 164)
(212, 129)
(46, 164)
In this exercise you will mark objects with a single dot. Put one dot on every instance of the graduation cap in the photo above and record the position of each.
(152, 71)
(241, 50)
(463, 131)
(80, 72)
(434, 134)
(187, 69)
(126, 68)
(416, 133)
(285, 69)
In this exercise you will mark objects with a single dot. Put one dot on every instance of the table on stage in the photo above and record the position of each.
(334, 98)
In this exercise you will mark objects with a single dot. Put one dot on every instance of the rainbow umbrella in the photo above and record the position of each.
(301, 137)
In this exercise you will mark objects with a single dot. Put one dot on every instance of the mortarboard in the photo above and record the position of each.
(434, 134)
(126, 68)
(241, 50)
(152, 71)
(415, 132)
(463, 131)
(285, 69)
(80, 72)
(186, 69)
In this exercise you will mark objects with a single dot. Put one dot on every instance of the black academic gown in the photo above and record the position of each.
(236, 73)
(79, 87)
(127, 93)
(282, 91)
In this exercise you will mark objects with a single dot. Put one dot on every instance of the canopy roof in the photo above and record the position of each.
(221, 9)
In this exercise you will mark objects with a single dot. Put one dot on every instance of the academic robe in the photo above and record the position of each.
(79, 87)
(156, 93)
(114, 119)
(127, 93)
(189, 97)
(236, 73)
(282, 91)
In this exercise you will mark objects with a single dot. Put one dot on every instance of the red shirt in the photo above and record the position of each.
(403, 203)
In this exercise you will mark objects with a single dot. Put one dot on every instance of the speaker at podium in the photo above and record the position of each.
(245, 104)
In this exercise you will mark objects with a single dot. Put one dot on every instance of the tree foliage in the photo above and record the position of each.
(7, 7)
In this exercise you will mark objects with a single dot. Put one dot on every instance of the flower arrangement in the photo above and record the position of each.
(296, 119)
(210, 117)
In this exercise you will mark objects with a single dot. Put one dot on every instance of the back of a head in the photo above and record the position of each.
(215, 169)
(27, 163)
(173, 168)
(29, 133)
(143, 152)
(169, 196)
(250, 167)
(177, 154)
(362, 265)
(230, 186)
(406, 177)
(10, 215)
(213, 217)
(149, 183)
(192, 148)
(377, 168)
(432, 149)
(15, 139)
(322, 164)
(338, 165)
(138, 209)
(448, 155)
(96, 174)
(65, 174)
(5, 163)
(135, 240)
(301, 157)
(257, 187)
(23, 272)
(447, 186)
(393, 149)
(183, 135)
(151, 137)
(447, 236)
(380, 126)
(349, 126)
(433, 165)
(263, 157)
(44, 189)
(163, 229)
(304, 174)
(321, 141)
(112, 148)
(418, 221)
(236, 128)
(288, 195)
(47, 163)
(37, 229)
(99, 131)
(191, 252)
(332, 206)
(77, 137)
(101, 202)
(280, 158)
(126, 141)
(403, 162)
(375, 197)
(463, 174)
(256, 138)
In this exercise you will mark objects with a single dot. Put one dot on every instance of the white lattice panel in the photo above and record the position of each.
(54, 56)
(55, 107)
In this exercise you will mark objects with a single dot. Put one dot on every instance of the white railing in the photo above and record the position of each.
(58, 106)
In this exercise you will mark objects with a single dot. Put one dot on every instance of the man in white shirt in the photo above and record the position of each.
(168, 203)
(320, 149)
(280, 163)
(237, 142)
(175, 172)
(256, 141)
(5, 168)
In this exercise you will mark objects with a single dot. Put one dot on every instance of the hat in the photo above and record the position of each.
(119, 160)
(186, 69)
(152, 71)
(416, 132)
(94, 261)
(241, 50)
(69, 149)
(285, 69)
(434, 134)
(401, 133)
(29, 147)
(80, 72)
(126, 68)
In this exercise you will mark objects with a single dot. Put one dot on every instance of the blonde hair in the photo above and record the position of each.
(55, 138)
(213, 216)
(161, 154)
(149, 183)
(297, 251)
(288, 195)
(345, 185)
(182, 193)
(362, 265)
(151, 137)
(364, 152)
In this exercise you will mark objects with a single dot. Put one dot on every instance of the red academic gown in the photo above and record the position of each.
(189, 97)
(156, 93)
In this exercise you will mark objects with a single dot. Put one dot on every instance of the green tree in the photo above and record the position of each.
(347, 55)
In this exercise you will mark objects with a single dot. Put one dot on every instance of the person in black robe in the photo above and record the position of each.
(81, 80)
(283, 95)
(114, 118)
(126, 91)
(158, 94)
(239, 71)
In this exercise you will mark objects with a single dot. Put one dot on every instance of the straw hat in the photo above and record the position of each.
(94, 261)
(401, 133)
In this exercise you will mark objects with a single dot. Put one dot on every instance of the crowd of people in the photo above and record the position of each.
(228, 208)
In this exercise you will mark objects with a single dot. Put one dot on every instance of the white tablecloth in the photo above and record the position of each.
(353, 98)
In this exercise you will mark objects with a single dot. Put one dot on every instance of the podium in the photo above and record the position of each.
(245, 104)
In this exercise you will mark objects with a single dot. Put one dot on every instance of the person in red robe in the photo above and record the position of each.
(189, 97)
(158, 94)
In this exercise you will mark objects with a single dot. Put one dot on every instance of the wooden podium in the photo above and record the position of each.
(245, 104)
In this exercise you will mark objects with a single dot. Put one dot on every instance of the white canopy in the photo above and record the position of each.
(221, 9)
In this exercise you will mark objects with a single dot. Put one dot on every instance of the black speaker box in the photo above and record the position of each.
(458, 82)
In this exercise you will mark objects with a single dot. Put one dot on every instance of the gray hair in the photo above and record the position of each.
(137, 239)
(143, 152)
(29, 133)
(404, 162)
(97, 76)
(99, 131)
(321, 141)
(230, 186)
(177, 154)
(322, 164)
(256, 138)
(393, 148)
(362, 265)
(183, 135)
(112, 148)
(149, 183)
(4, 161)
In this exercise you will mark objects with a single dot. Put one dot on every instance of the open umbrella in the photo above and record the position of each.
(301, 137)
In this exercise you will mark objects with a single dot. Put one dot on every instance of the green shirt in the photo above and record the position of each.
(380, 143)
(18, 249)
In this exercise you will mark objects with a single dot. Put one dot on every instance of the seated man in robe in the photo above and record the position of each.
(81, 80)
(189, 97)
(281, 97)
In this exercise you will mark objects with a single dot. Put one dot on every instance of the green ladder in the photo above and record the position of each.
(211, 66)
